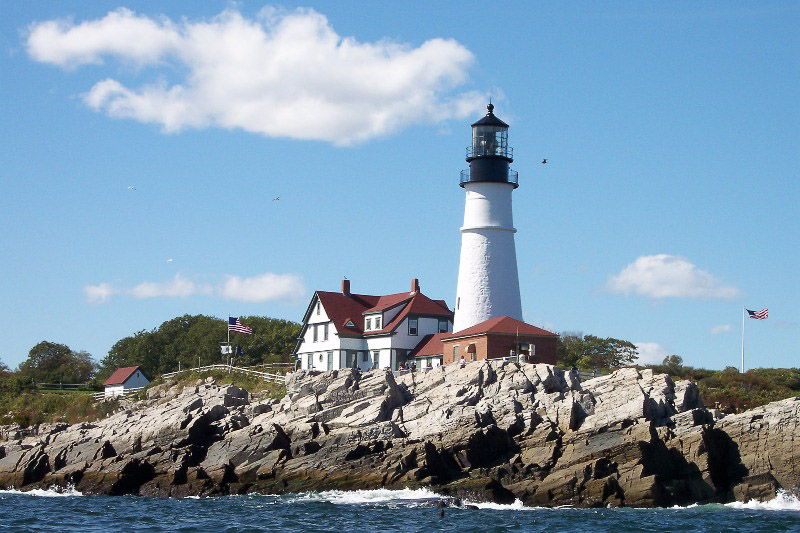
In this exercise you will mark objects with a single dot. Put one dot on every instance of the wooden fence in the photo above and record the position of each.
(266, 376)
(98, 396)
(62, 386)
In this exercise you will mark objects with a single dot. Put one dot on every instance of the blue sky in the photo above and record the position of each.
(142, 147)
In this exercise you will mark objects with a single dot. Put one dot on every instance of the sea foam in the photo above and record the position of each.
(52, 492)
(349, 497)
(399, 496)
(783, 501)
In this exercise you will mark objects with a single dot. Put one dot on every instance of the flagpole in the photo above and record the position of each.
(742, 340)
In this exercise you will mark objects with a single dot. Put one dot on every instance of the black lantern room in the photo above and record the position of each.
(489, 156)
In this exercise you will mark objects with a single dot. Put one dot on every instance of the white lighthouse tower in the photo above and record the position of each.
(488, 282)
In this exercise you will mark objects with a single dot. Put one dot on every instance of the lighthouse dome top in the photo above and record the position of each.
(490, 119)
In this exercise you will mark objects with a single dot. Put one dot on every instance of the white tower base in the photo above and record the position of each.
(488, 281)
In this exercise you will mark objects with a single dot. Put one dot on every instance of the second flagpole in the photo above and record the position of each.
(742, 370)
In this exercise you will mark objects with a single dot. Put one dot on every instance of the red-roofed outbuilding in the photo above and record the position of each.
(497, 338)
(129, 377)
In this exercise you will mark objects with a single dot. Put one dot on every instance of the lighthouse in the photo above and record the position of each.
(488, 281)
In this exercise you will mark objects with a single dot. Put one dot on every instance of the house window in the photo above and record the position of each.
(364, 357)
(376, 358)
(378, 322)
(351, 359)
(330, 360)
(316, 332)
(368, 324)
(310, 361)
(325, 332)
(458, 303)
(318, 308)
(412, 326)
(455, 353)
(442, 326)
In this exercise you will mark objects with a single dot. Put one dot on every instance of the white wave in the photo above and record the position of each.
(378, 496)
(516, 506)
(52, 492)
(783, 501)
(349, 497)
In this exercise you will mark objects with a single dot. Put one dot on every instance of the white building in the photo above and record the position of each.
(488, 281)
(129, 377)
(345, 330)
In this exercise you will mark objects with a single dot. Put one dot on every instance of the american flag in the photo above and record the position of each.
(758, 315)
(234, 324)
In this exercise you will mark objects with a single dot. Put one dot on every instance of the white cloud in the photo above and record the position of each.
(283, 74)
(650, 353)
(177, 287)
(263, 288)
(98, 294)
(669, 276)
(721, 328)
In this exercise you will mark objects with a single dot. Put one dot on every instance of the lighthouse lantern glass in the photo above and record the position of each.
(489, 140)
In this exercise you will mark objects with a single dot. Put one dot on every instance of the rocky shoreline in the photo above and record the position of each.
(487, 432)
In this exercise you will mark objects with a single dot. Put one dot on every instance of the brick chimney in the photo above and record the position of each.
(346, 287)
(414, 285)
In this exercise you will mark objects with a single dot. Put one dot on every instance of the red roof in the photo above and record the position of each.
(419, 305)
(121, 375)
(501, 325)
(341, 308)
(390, 300)
(429, 345)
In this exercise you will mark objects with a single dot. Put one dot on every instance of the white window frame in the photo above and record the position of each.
(416, 327)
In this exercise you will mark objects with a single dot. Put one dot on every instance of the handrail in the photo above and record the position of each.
(511, 177)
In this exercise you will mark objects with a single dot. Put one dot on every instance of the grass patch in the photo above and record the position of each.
(733, 392)
(252, 384)
(30, 408)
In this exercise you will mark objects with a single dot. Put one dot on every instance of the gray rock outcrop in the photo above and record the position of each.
(489, 431)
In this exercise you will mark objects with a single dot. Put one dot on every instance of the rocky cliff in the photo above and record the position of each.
(489, 431)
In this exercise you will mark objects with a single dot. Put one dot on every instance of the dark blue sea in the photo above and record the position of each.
(373, 511)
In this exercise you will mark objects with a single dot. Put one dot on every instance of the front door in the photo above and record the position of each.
(330, 360)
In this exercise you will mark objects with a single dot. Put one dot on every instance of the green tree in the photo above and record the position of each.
(673, 361)
(184, 339)
(50, 362)
(588, 351)
(3, 367)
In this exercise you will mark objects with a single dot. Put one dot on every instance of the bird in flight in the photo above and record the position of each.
(131, 188)
(276, 198)
(544, 161)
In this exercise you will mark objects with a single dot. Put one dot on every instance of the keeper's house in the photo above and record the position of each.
(129, 377)
(346, 330)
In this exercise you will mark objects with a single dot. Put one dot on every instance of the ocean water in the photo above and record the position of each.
(374, 510)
